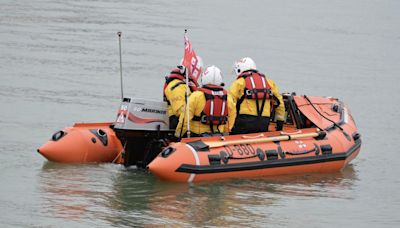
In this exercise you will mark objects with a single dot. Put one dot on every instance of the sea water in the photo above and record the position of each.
(59, 64)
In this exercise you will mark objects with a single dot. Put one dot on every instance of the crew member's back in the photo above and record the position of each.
(175, 92)
(211, 110)
(254, 95)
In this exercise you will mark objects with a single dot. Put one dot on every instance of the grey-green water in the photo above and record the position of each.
(59, 65)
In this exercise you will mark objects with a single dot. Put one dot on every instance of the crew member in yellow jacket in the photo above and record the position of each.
(175, 91)
(211, 110)
(254, 96)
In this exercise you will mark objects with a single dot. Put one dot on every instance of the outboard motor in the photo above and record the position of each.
(143, 128)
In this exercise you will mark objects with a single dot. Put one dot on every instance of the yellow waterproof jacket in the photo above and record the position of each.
(197, 101)
(176, 97)
(249, 106)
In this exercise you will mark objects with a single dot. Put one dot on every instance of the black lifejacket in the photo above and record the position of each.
(215, 111)
(257, 88)
(177, 74)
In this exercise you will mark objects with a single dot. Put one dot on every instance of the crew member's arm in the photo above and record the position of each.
(193, 106)
(236, 90)
(231, 114)
(280, 110)
(176, 98)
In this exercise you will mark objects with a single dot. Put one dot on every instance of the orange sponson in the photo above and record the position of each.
(197, 160)
(83, 143)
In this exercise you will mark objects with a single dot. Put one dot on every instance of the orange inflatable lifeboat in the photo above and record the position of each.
(83, 143)
(319, 135)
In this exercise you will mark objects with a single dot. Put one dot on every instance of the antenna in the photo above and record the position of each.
(120, 64)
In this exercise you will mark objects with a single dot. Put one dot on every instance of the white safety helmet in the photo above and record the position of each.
(212, 75)
(244, 64)
(199, 66)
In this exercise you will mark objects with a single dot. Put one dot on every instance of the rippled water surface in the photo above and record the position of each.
(59, 65)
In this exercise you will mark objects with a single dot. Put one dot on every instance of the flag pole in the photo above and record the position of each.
(187, 98)
(120, 64)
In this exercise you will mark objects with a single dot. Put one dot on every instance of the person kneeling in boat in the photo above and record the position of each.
(254, 96)
(211, 110)
(175, 91)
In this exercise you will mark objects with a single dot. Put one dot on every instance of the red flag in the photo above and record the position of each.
(190, 60)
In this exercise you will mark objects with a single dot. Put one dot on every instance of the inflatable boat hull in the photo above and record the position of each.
(83, 143)
(196, 161)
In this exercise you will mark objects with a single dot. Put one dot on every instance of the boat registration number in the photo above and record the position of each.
(241, 149)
